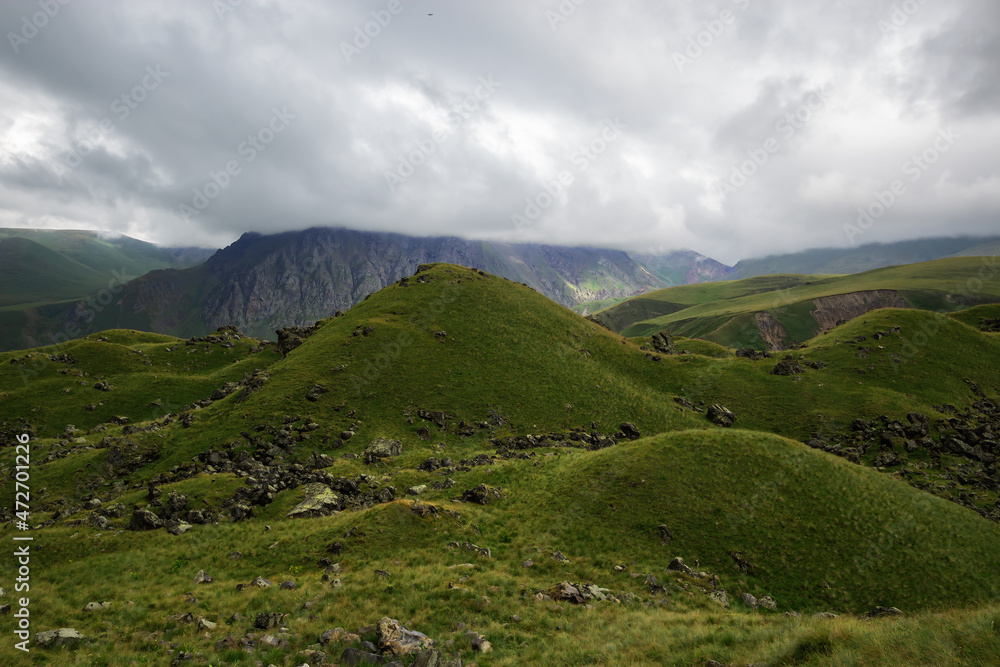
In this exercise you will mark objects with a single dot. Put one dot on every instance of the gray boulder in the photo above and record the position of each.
(68, 637)
(319, 500)
(721, 415)
(382, 448)
(398, 640)
(143, 519)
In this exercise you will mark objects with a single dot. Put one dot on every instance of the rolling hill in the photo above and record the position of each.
(469, 449)
(776, 312)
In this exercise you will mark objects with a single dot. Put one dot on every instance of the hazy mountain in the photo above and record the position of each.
(261, 283)
(51, 265)
(865, 257)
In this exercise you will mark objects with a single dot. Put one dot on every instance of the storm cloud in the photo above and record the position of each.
(735, 128)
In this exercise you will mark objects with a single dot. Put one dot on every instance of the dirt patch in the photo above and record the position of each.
(833, 310)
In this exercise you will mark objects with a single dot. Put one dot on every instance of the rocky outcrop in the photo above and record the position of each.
(262, 283)
(770, 330)
(833, 310)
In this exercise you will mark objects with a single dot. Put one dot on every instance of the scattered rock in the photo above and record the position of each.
(768, 602)
(315, 392)
(260, 582)
(68, 637)
(398, 640)
(265, 620)
(319, 500)
(205, 624)
(352, 656)
(677, 565)
(177, 527)
(629, 430)
(578, 593)
(482, 494)
(482, 551)
(663, 343)
(202, 578)
(788, 367)
(719, 596)
(479, 642)
(381, 448)
(721, 415)
(143, 519)
(97, 606)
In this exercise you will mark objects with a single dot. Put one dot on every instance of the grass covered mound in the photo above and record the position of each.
(459, 366)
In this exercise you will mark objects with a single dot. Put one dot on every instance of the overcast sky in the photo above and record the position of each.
(735, 128)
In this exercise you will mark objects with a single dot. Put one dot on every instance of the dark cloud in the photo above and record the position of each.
(268, 115)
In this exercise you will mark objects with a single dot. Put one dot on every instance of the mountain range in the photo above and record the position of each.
(62, 284)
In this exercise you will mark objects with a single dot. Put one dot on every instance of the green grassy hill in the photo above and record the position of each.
(725, 312)
(30, 272)
(461, 365)
(865, 257)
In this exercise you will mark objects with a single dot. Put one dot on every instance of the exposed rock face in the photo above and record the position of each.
(771, 331)
(261, 283)
(830, 310)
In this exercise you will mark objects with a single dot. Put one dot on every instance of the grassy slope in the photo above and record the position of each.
(801, 516)
(30, 271)
(941, 285)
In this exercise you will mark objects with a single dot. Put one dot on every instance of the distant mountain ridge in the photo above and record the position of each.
(38, 265)
(264, 282)
(827, 261)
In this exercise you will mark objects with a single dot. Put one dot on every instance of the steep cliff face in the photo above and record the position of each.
(770, 330)
(842, 307)
(261, 282)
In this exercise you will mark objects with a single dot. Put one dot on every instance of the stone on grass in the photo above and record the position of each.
(319, 500)
(68, 637)
(396, 639)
